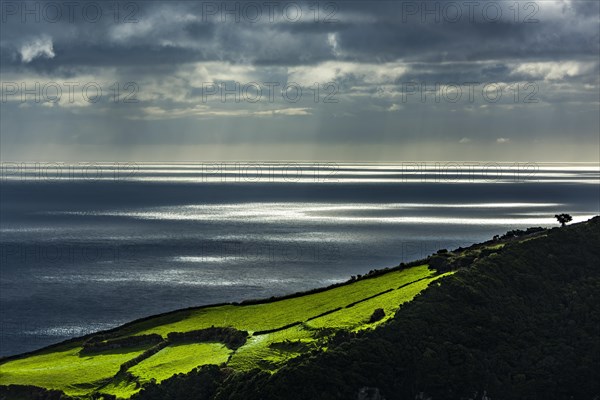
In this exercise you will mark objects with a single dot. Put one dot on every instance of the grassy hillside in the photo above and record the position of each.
(523, 323)
(122, 361)
(517, 317)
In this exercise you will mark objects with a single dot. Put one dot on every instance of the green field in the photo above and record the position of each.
(65, 369)
(179, 359)
(295, 325)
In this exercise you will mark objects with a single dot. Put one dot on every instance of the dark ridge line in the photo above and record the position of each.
(418, 280)
(152, 351)
(104, 332)
(389, 290)
(376, 274)
(132, 362)
(124, 367)
(338, 308)
(369, 298)
(324, 314)
(228, 357)
(101, 344)
(210, 335)
(263, 332)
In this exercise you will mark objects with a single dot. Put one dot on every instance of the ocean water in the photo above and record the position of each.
(90, 246)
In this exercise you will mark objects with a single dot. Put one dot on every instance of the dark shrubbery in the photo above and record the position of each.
(463, 262)
(265, 331)
(439, 263)
(95, 344)
(102, 396)
(146, 354)
(201, 383)
(292, 346)
(518, 233)
(20, 392)
(231, 337)
(377, 315)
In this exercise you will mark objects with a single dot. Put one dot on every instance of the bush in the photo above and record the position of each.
(377, 315)
(21, 392)
(439, 263)
(98, 344)
(231, 337)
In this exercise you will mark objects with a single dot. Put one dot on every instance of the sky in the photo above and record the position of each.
(266, 80)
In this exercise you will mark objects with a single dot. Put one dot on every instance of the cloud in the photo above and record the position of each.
(355, 72)
(553, 71)
(365, 32)
(370, 54)
(332, 41)
(37, 47)
(298, 111)
(205, 111)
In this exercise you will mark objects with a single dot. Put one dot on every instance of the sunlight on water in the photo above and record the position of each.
(85, 249)
(328, 213)
(304, 172)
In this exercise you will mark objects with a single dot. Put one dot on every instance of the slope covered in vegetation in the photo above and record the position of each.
(513, 318)
(256, 334)
(520, 324)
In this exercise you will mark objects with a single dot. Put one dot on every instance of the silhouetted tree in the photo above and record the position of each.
(563, 219)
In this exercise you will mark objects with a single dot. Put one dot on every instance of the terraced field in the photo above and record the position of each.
(259, 335)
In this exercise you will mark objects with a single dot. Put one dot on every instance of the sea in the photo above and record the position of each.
(89, 246)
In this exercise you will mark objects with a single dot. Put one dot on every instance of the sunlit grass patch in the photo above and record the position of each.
(357, 316)
(259, 353)
(180, 358)
(65, 370)
(279, 330)
(257, 317)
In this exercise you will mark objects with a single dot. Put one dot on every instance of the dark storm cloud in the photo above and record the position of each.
(465, 41)
(371, 50)
(181, 32)
(200, 31)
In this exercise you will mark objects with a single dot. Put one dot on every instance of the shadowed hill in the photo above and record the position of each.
(521, 324)
(517, 317)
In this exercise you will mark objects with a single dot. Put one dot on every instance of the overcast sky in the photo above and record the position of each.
(378, 80)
